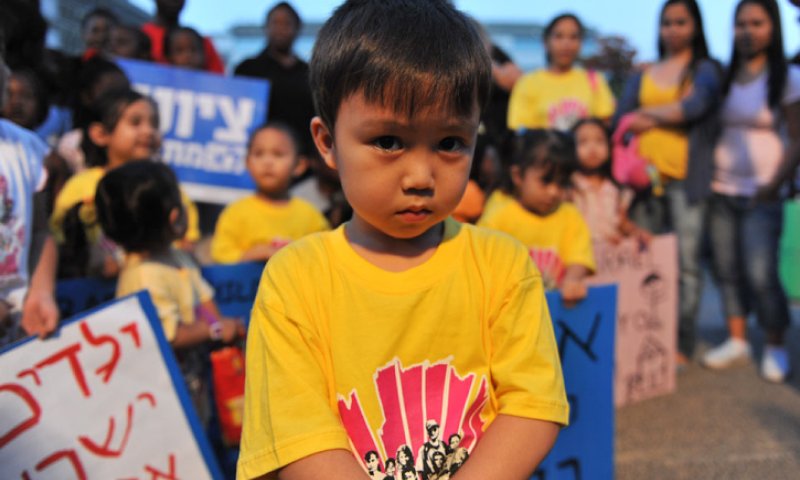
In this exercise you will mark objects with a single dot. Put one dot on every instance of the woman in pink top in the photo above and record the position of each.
(752, 161)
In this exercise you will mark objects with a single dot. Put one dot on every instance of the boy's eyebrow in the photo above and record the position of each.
(456, 123)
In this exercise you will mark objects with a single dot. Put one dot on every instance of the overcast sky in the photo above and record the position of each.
(635, 19)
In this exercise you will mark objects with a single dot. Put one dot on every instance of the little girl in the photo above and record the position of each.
(555, 232)
(123, 127)
(139, 208)
(255, 227)
(603, 203)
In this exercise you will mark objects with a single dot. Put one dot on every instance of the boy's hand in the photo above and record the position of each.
(231, 329)
(39, 313)
(573, 291)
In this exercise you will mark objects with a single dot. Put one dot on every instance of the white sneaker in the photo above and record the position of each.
(775, 364)
(734, 351)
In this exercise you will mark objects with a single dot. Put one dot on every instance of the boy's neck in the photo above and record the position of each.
(390, 253)
(274, 197)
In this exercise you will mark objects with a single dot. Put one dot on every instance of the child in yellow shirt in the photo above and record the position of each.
(257, 226)
(555, 233)
(467, 347)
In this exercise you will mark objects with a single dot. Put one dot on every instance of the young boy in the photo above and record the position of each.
(361, 337)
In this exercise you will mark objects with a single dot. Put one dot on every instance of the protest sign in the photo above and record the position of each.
(103, 399)
(585, 336)
(647, 276)
(206, 120)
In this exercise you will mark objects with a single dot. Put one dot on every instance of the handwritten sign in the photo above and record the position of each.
(104, 399)
(647, 322)
(206, 120)
(585, 336)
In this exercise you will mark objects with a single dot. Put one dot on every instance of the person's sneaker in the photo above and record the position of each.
(734, 351)
(775, 364)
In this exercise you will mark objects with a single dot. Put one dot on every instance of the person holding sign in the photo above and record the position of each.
(255, 227)
(399, 86)
(558, 237)
(139, 207)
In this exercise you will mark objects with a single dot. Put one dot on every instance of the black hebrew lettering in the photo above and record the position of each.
(584, 346)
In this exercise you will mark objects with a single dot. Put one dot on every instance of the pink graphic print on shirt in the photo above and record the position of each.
(429, 427)
(549, 264)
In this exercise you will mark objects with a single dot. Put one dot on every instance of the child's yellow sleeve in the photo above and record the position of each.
(603, 102)
(192, 218)
(226, 246)
(577, 241)
(288, 412)
(525, 364)
(522, 104)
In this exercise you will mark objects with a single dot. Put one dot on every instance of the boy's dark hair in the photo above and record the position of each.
(288, 7)
(107, 111)
(99, 12)
(550, 150)
(134, 202)
(280, 126)
(401, 54)
(177, 30)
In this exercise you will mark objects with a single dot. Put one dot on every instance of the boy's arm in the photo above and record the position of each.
(337, 465)
(518, 444)
(39, 312)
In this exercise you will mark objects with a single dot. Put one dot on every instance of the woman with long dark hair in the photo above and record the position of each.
(562, 93)
(670, 101)
(753, 159)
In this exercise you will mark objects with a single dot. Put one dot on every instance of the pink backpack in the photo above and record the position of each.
(628, 167)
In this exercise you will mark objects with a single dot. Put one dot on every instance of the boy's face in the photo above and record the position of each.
(187, 51)
(537, 194)
(272, 161)
(401, 176)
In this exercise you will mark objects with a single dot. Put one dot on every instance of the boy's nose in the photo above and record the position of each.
(418, 175)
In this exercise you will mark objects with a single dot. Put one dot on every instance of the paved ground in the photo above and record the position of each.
(727, 425)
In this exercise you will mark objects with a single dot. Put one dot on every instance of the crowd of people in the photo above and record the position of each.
(83, 192)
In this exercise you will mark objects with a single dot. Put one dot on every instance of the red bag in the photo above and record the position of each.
(628, 167)
(227, 368)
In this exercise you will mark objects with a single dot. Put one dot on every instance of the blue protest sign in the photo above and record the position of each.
(206, 120)
(235, 287)
(585, 336)
(103, 398)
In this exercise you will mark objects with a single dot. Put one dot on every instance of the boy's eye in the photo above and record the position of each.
(452, 144)
(387, 143)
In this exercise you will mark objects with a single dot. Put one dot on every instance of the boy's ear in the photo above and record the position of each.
(516, 175)
(98, 134)
(323, 139)
(301, 166)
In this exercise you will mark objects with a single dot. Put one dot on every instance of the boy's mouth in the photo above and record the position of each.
(415, 214)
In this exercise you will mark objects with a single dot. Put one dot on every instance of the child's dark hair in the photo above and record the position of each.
(401, 54)
(107, 111)
(90, 76)
(605, 168)
(281, 127)
(289, 8)
(172, 32)
(550, 150)
(134, 203)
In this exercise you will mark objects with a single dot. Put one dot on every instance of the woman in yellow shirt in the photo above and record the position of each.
(669, 102)
(560, 94)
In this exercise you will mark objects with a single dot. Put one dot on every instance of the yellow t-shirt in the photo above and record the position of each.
(253, 221)
(666, 148)
(543, 99)
(496, 201)
(342, 354)
(177, 290)
(81, 188)
(555, 242)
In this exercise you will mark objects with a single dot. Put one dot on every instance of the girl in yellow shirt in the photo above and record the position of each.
(257, 226)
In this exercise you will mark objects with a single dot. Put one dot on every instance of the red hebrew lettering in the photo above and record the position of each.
(32, 373)
(132, 330)
(105, 450)
(149, 397)
(108, 368)
(157, 474)
(71, 354)
(36, 413)
(25, 476)
(68, 455)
